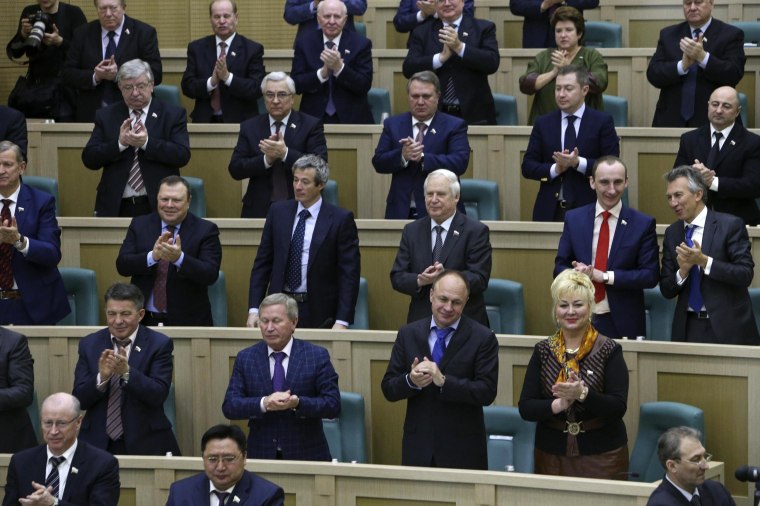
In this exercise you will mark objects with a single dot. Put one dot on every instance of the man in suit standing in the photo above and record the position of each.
(65, 470)
(224, 456)
(692, 59)
(412, 13)
(284, 387)
(446, 367)
(727, 155)
(16, 392)
(332, 69)
(537, 29)
(269, 144)
(685, 461)
(304, 14)
(463, 52)
(13, 128)
(137, 142)
(98, 50)
(31, 288)
(616, 246)
(224, 70)
(416, 143)
(444, 239)
(173, 256)
(123, 377)
(309, 250)
(707, 264)
(564, 145)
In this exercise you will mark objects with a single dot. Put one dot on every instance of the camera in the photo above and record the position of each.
(41, 24)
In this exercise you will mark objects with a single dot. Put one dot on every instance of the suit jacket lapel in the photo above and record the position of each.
(709, 233)
(458, 340)
(295, 364)
(286, 230)
(452, 236)
(72, 481)
(291, 130)
(324, 222)
(155, 111)
(125, 39)
(587, 235)
(24, 202)
(242, 489)
(424, 254)
(734, 139)
(620, 230)
(136, 354)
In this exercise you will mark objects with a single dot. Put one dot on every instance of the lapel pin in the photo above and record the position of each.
(733, 143)
(293, 125)
(236, 499)
(74, 470)
(465, 34)
(590, 372)
(154, 115)
(624, 222)
(233, 53)
(347, 51)
(127, 31)
(137, 348)
(19, 209)
(456, 233)
(432, 130)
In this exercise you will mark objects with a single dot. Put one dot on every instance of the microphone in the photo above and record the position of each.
(748, 473)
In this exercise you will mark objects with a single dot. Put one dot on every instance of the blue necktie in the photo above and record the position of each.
(570, 135)
(695, 291)
(54, 479)
(689, 87)
(278, 376)
(111, 46)
(440, 343)
(293, 267)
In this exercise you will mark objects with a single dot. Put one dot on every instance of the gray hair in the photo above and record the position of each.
(63, 398)
(276, 77)
(454, 185)
(342, 7)
(669, 444)
(694, 179)
(10, 146)
(276, 299)
(313, 162)
(425, 76)
(134, 69)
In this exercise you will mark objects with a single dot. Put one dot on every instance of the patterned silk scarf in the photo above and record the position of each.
(557, 347)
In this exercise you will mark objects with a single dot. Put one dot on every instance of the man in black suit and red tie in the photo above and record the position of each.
(224, 70)
(270, 143)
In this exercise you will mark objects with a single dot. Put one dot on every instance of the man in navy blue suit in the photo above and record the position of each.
(537, 30)
(270, 143)
(564, 145)
(137, 142)
(173, 256)
(284, 387)
(123, 377)
(626, 264)
(13, 128)
(416, 143)
(310, 250)
(65, 470)
(31, 288)
(224, 70)
(332, 69)
(225, 479)
(98, 50)
(304, 14)
(412, 13)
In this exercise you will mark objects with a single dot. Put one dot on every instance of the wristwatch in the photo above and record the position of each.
(19, 245)
(584, 394)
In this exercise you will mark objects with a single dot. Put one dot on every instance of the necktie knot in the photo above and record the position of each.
(111, 34)
(718, 136)
(605, 215)
(7, 202)
(571, 120)
(222, 496)
(121, 343)
(453, 25)
(329, 44)
(697, 33)
(56, 461)
(138, 113)
(278, 356)
(223, 45)
(443, 333)
(277, 127)
(304, 215)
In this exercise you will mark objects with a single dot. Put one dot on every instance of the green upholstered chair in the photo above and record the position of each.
(361, 28)
(330, 192)
(505, 306)
(618, 108)
(47, 185)
(217, 295)
(481, 199)
(380, 103)
(506, 109)
(754, 296)
(361, 312)
(82, 290)
(197, 196)
(346, 434)
(603, 34)
(167, 93)
(510, 439)
(659, 315)
(743, 113)
(751, 31)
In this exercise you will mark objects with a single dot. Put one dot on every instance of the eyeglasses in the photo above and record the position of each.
(59, 424)
(280, 95)
(705, 459)
(227, 459)
(140, 87)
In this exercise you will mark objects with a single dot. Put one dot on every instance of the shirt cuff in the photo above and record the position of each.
(553, 171)
(209, 87)
(708, 267)
(411, 385)
(319, 76)
(714, 184)
(610, 277)
(179, 261)
(150, 260)
(261, 405)
(437, 61)
(582, 165)
(461, 52)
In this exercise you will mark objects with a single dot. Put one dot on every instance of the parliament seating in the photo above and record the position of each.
(82, 291)
(46, 184)
(505, 306)
(481, 199)
(167, 93)
(197, 196)
(510, 439)
(346, 435)
(603, 34)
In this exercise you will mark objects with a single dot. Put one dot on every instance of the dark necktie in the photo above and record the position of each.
(222, 496)
(6, 250)
(438, 246)
(440, 343)
(111, 46)
(330, 108)
(162, 275)
(216, 95)
(695, 500)
(278, 376)
(602, 247)
(450, 92)
(695, 286)
(53, 478)
(570, 135)
(279, 177)
(293, 268)
(135, 179)
(689, 87)
(114, 425)
(421, 127)
(712, 157)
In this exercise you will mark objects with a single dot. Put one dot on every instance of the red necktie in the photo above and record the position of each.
(135, 179)
(600, 262)
(162, 274)
(6, 251)
(216, 95)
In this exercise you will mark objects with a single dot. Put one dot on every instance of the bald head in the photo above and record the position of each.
(723, 107)
(332, 16)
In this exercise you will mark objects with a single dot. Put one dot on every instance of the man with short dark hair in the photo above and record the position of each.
(123, 377)
(224, 70)
(173, 256)
(225, 480)
(284, 387)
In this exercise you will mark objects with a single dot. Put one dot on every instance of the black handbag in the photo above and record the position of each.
(36, 99)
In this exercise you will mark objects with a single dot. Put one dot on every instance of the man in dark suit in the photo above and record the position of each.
(416, 143)
(463, 52)
(137, 142)
(269, 144)
(446, 367)
(412, 13)
(445, 239)
(95, 56)
(727, 155)
(707, 264)
(537, 29)
(309, 250)
(65, 470)
(123, 377)
(684, 458)
(13, 128)
(616, 246)
(304, 14)
(284, 387)
(224, 70)
(564, 145)
(31, 288)
(332, 69)
(16, 391)
(225, 445)
(692, 59)
(173, 256)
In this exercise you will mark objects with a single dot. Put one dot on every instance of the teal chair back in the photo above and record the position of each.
(380, 103)
(361, 312)
(603, 34)
(754, 296)
(33, 410)
(82, 290)
(751, 31)
(743, 113)
(47, 185)
(170, 408)
(167, 93)
(505, 306)
(346, 434)
(654, 419)
(618, 108)
(361, 28)
(330, 192)
(481, 199)
(510, 439)
(506, 109)
(659, 315)
(217, 295)
(197, 196)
